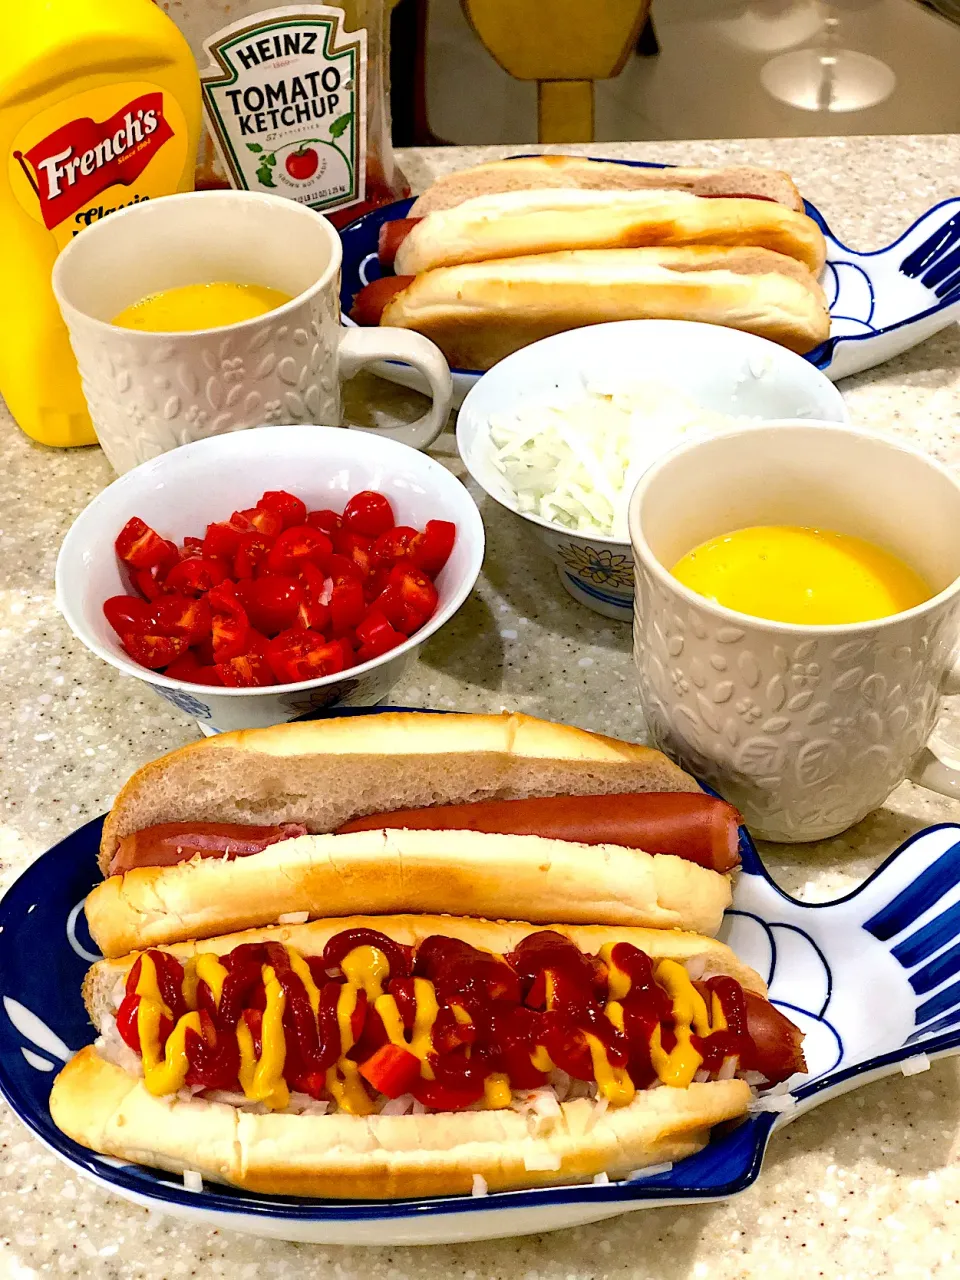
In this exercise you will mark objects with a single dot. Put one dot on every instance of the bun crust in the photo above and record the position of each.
(325, 772)
(380, 1157)
(400, 871)
(546, 221)
(525, 173)
(479, 313)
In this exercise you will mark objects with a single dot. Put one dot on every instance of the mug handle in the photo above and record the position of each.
(928, 770)
(362, 346)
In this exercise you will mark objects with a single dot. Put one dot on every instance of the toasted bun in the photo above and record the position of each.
(545, 221)
(101, 983)
(388, 871)
(526, 173)
(323, 773)
(380, 1157)
(479, 313)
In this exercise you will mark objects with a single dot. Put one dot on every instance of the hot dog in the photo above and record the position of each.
(409, 1055)
(369, 303)
(514, 796)
(699, 828)
(169, 843)
(392, 236)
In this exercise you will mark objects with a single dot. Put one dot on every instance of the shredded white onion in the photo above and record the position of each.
(479, 1185)
(913, 1066)
(576, 461)
(192, 1180)
(601, 1179)
(294, 917)
(755, 1079)
(650, 1171)
(695, 967)
(113, 1048)
(599, 1108)
(418, 1108)
(543, 1161)
(729, 1068)
(398, 1106)
(301, 1104)
(701, 1076)
(781, 1102)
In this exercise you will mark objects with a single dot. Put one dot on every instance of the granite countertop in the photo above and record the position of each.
(868, 1185)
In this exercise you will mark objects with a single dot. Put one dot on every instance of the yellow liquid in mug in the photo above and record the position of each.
(200, 306)
(814, 577)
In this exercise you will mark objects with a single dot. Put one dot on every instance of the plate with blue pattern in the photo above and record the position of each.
(873, 979)
(881, 303)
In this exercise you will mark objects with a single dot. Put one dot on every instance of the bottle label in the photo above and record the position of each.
(96, 152)
(285, 101)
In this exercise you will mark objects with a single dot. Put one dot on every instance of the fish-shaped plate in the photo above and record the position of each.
(881, 303)
(873, 980)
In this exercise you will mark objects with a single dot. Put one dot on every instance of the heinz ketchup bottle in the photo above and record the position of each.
(295, 101)
(99, 108)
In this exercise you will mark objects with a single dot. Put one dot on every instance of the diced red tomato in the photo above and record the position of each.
(376, 636)
(347, 605)
(395, 544)
(291, 510)
(444, 1097)
(409, 599)
(221, 541)
(194, 577)
(391, 1070)
(142, 548)
(327, 521)
(249, 671)
(190, 669)
(368, 513)
(303, 655)
(264, 521)
(231, 627)
(252, 554)
(149, 582)
(192, 548)
(433, 549)
(127, 614)
(355, 547)
(154, 651)
(272, 602)
(313, 613)
(179, 615)
(295, 545)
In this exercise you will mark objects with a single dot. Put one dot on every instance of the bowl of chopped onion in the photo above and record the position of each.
(561, 431)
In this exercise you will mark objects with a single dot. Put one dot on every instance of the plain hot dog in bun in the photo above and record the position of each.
(525, 173)
(412, 1055)
(409, 812)
(483, 311)
(546, 221)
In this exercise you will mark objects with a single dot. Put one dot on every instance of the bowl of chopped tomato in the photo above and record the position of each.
(261, 576)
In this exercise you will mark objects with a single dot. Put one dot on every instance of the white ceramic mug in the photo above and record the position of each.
(150, 392)
(805, 729)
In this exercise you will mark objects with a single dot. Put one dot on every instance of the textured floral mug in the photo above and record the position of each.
(805, 729)
(149, 392)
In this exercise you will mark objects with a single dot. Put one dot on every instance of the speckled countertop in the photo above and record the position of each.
(867, 1186)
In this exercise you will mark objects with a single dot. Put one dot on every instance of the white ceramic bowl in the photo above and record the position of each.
(722, 369)
(180, 492)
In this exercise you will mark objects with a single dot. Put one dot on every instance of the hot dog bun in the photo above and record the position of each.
(324, 772)
(525, 173)
(430, 871)
(104, 1108)
(479, 313)
(546, 221)
(381, 1157)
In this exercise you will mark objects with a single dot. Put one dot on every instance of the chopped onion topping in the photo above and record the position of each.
(701, 1076)
(575, 461)
(913, 1066)
(479, 1185)
(398, 1106)
(599, 1107)
(601, 1179)
(650, 1171)
(294, 917)
(192, 1180)
(729, 1068)
(695, 967)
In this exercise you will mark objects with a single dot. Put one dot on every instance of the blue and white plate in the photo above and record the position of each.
(872, 979)
(881, 303)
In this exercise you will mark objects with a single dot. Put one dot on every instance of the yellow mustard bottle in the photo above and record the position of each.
(99, 108)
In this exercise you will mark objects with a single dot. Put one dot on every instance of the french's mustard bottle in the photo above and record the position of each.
(99, 108)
